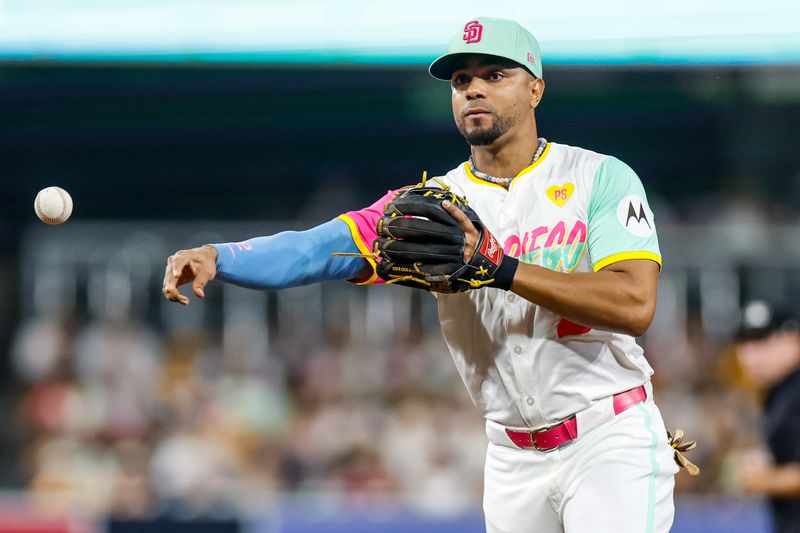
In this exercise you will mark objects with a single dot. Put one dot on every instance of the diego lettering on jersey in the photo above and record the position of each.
(554, 246)
(635, 216)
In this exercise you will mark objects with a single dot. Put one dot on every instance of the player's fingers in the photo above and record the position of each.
(201, 279)
(184, 267)
(168, 277)
(187, 273)
(459, 215)
(174, 295)
(177, 263)
(463, 221)
(471, 234)
(169, 288)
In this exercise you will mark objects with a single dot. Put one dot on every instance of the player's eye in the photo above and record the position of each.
(460, 79)
(496, 76)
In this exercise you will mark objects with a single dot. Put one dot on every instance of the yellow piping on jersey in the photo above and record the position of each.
(532, 165)
(476, 179)
(525, 170)
(615, 258)
(362, 247)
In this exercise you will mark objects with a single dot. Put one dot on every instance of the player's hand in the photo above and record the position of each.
(471, 234)
(198, 265)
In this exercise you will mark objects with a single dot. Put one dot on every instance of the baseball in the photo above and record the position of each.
(53, 205)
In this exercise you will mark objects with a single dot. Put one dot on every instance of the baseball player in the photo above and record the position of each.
(544, 261)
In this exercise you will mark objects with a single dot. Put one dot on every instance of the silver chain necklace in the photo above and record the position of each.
(505, 181)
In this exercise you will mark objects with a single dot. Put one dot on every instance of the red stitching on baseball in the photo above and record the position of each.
(41, 213)
(63, 196)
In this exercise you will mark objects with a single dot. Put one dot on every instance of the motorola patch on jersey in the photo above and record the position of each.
(635, 216)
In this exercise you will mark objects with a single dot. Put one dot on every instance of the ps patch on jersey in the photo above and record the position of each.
(635, 216)
(559, 194)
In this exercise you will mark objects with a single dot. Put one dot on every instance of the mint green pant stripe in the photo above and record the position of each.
(651, 482)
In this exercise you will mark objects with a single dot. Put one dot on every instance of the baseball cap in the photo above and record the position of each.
(490, 36)
(760, 319)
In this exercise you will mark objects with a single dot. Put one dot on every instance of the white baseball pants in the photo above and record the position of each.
(617, 478)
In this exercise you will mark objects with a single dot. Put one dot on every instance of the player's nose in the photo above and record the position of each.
(476, 89)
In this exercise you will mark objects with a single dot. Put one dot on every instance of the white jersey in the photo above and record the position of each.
(573, 210)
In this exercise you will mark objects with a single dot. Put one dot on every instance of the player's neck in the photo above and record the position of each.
(506, 159)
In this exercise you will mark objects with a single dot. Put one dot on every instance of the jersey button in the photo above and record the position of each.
(529, 400)
(510, 298)
(517, 350)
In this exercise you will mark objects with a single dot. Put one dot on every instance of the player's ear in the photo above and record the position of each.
(536, 89)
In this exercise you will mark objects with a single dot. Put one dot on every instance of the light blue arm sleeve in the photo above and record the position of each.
(290, 258)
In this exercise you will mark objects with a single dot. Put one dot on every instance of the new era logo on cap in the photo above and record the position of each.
(473, 31)
(531, 59)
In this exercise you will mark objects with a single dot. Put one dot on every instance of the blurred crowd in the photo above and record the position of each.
(122, 419)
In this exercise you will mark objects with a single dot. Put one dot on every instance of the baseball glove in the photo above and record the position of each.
(680, 446)
(421, 245)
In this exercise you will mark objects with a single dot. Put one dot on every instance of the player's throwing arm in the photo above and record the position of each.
(287, 259)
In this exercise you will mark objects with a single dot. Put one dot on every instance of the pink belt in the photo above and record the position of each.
(553, 436)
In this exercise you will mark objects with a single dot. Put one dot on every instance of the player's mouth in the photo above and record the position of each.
(476, 112)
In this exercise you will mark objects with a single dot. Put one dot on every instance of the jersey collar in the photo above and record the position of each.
(522, 172)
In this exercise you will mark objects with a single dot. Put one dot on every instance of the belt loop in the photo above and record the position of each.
(571, 425)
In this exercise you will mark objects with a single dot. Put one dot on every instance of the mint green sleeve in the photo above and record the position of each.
(620, 222)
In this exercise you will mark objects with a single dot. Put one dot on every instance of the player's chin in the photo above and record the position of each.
(482, 120)
(480, 136)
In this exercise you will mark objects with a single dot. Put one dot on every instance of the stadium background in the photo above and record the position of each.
(336, 408)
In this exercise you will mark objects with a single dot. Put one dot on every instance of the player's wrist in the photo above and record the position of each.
(212, 252)
(504, 276)
(489, 255)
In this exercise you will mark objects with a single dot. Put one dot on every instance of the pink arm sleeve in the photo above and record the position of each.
(363, 227)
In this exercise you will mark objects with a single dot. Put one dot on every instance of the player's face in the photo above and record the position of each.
(492, 97)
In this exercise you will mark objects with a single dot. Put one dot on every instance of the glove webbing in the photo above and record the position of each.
(676, 441)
